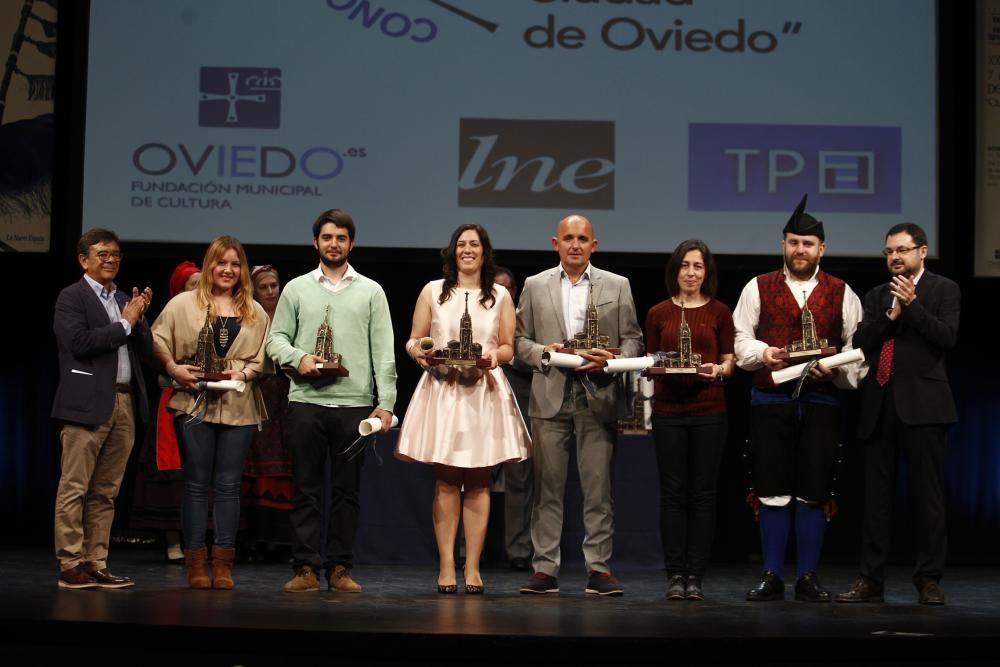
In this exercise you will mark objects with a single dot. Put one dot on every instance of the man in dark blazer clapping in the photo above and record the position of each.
(909, 324)
(101, 334)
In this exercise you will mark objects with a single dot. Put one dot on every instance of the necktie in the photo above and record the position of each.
(885, 362)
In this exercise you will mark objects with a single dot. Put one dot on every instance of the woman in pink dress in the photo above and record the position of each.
(463, 421)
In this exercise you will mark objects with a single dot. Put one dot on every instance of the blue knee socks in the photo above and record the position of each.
(810, 526)
(775, 522)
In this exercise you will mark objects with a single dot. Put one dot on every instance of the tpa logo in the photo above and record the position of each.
(536, 163)
(240, 97)
(736, 167)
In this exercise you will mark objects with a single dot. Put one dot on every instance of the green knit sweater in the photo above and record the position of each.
(362, 335)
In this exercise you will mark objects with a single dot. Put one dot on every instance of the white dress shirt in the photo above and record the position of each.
(350, 275)
(575, 299)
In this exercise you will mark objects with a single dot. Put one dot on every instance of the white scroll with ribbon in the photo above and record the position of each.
(839, 359)
(562, 360)
(238, 386)
(628, 364)
(374, 425)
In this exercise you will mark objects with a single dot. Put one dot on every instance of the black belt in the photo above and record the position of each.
(123, 388)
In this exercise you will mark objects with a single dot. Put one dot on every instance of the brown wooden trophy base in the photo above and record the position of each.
(332, 369)
(481, 362)
(802, 356)
(660, 371)
(211, 377)
(327, 369)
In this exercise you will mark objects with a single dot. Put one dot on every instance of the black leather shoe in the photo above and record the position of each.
(105, 579)
(931, 593)
(692, 588)
(675, 588)
(809, 589)
(862, 590)
(770, 588)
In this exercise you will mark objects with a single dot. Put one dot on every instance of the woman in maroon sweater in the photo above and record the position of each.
(689, 415)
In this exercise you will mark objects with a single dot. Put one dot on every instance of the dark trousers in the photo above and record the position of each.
(214, 458)
(688, 455)
(317, 435)
(923, 448)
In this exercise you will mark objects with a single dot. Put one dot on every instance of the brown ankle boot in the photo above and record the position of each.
(222, 567)
(194, 562)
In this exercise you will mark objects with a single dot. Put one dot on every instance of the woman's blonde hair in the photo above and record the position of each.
(243, 302)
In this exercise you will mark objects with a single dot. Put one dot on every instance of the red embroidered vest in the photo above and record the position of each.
(781, 318)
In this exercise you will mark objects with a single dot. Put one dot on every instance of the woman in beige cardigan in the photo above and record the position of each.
(215, 429)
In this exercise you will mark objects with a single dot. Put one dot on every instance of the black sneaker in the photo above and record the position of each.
(675, 587)
(602, 583)
(692, 588)
(541, 583)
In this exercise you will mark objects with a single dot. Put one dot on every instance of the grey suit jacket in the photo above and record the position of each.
(540, 323)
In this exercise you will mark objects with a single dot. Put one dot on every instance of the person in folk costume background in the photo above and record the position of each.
(794, 439)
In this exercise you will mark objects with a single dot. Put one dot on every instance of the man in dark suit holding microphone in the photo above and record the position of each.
(101, 335)
(909, 324)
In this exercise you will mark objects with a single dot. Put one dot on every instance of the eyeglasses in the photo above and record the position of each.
(901, 251)
(106, 256)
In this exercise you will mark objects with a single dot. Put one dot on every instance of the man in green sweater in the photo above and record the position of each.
(323, 412)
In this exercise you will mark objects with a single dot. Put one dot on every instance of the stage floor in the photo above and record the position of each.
(401, 618)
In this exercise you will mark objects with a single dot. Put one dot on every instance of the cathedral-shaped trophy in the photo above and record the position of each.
(332, 367)
(209, 363)
(590, 338)
(808, 347)
(680, 362)
(461, 352)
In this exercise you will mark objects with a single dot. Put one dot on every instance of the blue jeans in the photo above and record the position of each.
(214, 456)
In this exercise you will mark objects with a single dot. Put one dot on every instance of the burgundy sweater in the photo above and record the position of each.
(712, 335)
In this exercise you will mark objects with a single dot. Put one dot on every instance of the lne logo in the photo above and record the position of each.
(507, 163)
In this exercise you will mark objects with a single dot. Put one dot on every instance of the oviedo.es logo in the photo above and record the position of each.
(536, 163)
(240, 97)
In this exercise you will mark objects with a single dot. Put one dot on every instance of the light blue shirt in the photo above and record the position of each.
(575, 299)
(107, 297)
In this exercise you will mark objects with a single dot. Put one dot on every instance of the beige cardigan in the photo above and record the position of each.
(175, 333)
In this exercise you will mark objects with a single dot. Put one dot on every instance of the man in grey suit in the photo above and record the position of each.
(563, 403)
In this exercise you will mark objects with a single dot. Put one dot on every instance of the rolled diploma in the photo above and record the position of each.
(627, 364)
(562, 360)
(374, 424)
(839, 359)
(222, 385)
(226, 385)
